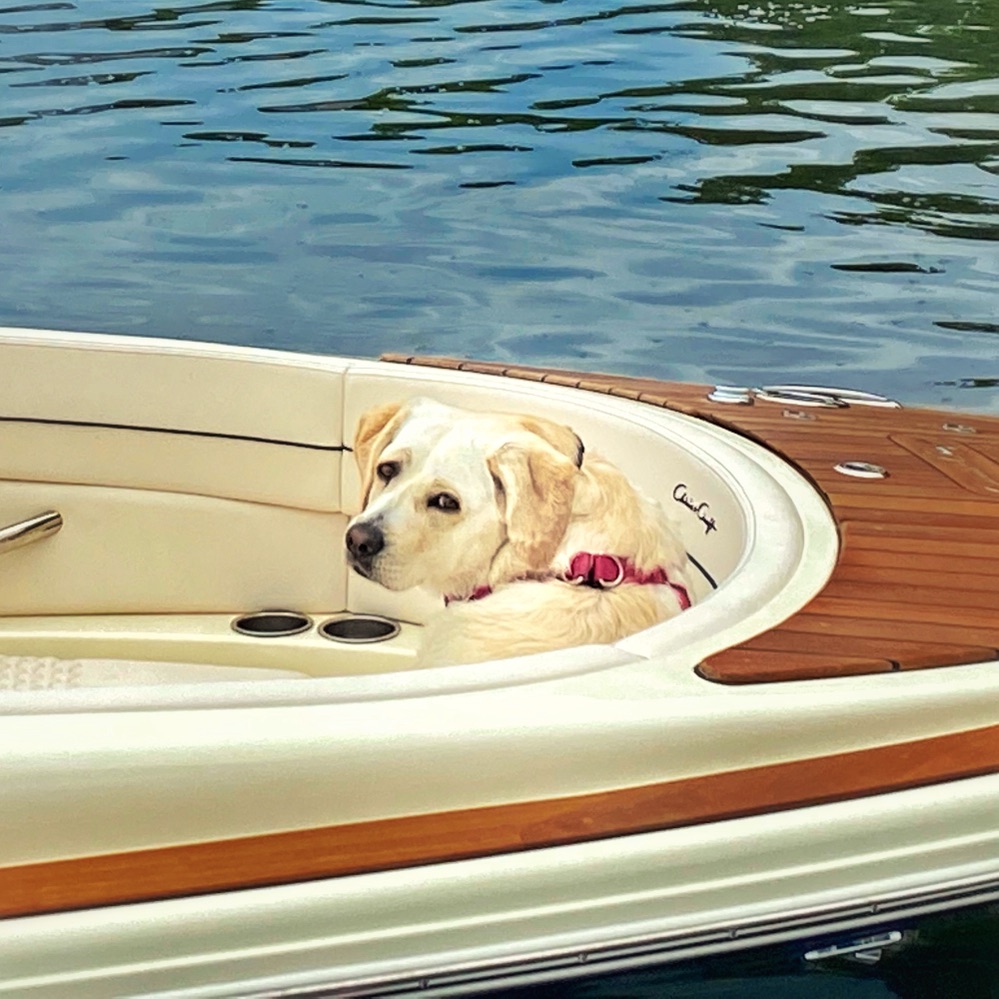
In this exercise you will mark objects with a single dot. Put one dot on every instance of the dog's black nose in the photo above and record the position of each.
(364, 542)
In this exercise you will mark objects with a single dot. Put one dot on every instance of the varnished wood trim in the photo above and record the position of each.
(752, 665)
(943, 529)
(862, 627)
(387, 844)
(959, 460)
(908, 655)
(944, 613)
(931, 594)
(874, 571)
(976, 553)
(917, 565)
(853, 502)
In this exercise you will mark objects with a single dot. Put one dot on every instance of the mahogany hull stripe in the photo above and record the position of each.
(409, 841)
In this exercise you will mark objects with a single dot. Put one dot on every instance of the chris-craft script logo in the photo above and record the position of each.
(701, 510)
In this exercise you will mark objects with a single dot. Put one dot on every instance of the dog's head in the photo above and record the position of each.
(455, 499)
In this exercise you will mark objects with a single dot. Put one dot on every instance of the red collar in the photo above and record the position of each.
(602, 572)
(477, 594)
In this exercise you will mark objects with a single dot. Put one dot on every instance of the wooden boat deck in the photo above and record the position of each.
(917, 581)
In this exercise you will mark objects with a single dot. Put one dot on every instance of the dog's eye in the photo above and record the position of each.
(444, 501)
(387, 470)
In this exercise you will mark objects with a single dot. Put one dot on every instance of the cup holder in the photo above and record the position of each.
(271, 624)
(357, 629)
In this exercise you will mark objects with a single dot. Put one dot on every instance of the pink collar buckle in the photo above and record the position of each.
(604, 572)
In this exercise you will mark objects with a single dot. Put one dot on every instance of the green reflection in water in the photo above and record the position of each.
(706, 189)
(819, 55)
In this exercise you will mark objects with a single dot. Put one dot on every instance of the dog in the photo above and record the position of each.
(533, 544)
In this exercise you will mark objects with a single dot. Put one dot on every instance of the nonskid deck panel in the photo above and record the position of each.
(917, 578)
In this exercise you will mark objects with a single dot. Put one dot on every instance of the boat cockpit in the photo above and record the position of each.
(175, 517)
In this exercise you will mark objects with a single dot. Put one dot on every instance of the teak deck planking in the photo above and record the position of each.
(914, 588)
(916, 582)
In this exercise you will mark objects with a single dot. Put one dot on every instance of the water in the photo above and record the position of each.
(703, 189)
(945, 956)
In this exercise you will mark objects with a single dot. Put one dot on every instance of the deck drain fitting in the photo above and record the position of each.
(358, 629)
(271, 624)
(861, 470)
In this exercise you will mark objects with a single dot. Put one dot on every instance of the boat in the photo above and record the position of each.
(223, 775)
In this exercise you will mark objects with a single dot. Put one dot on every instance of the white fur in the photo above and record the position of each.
(525, 509)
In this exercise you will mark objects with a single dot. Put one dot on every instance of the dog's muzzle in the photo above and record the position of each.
(364, 542)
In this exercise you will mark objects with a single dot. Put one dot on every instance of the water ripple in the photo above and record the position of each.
(704, 188)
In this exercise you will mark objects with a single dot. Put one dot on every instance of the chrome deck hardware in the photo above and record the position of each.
(731, 395)
(861, 470)
(866, 950)
(25, 532)
(800, 395)
(818, 395)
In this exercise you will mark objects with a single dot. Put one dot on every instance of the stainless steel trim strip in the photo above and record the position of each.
(628, 954)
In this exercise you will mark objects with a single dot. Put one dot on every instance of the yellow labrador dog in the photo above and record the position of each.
(532, 546)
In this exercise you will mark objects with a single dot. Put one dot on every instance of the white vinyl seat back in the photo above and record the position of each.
(190, 479)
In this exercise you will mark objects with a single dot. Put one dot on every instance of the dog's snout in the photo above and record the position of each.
(364, 542)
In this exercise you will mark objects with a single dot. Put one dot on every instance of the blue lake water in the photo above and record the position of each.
(714, 190)
(703, 189)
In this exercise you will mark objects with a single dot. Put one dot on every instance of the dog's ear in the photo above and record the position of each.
(564, 439)
(537, 487)
(375, 430)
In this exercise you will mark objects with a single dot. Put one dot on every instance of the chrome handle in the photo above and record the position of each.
(800, 396)
(866, 950)
(24, 532)
(818, 395)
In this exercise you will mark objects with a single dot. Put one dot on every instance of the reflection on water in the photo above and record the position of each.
(709, 189)
(720, 190)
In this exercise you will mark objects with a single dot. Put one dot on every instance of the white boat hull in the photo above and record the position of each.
(219, 478)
